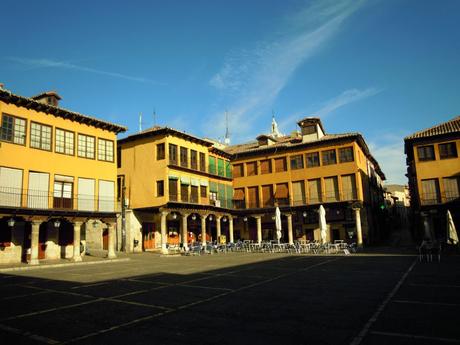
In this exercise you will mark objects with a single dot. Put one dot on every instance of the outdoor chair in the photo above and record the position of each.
(428, 249)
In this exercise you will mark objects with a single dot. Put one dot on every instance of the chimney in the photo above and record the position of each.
(311, 129)
(49, 97)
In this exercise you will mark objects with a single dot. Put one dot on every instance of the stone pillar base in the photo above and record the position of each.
(76, 259)
(33, 262)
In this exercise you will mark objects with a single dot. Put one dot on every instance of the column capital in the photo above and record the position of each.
(185, 215)
(256, 216)
(36, 222)
(164, 213)
(218, 217)
(77, 223)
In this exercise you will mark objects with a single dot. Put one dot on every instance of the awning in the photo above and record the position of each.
(194, 182)
(173, 177)
(282, 191)
(238, 194)
(62, 178)
(185, 180)
(204, 183)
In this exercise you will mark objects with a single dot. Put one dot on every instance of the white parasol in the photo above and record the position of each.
(452, 236)
(278, 223)
(322, 223)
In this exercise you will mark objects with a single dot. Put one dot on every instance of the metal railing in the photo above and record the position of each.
(38, 199)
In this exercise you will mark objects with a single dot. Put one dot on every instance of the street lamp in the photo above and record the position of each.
(11, 222)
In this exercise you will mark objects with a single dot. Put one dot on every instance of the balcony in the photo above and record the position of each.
(44, 200)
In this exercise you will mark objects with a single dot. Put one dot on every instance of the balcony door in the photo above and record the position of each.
(37, 194)
(10, 187)
(62, 196)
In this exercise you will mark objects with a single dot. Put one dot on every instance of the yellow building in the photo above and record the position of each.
(300, 172)
(57, 171)
(177, 189)
(434, 173)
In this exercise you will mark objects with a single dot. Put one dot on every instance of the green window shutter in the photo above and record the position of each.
(212, 186)
(228, 169)
(220, 167)
(212, 165)
(229, 196)
(221, 194)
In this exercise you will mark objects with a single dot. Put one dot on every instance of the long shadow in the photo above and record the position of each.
(288, 300)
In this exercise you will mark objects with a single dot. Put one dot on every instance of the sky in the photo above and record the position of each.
(383, 68)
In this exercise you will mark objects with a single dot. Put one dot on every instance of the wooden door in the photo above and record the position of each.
(42, 237)
(105, 239)
(148, 235)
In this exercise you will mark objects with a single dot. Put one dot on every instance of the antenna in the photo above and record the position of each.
(154, 117)
(227, 132)
(140, 122)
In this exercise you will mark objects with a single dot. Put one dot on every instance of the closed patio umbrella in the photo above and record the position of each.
(322, 223)
(452, 236)
(278, 223)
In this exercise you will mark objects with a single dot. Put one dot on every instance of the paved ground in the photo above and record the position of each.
(235, 299)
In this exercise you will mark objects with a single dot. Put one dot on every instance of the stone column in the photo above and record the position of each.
(230, 229)
(111, 254)
(76, 241)
(359, 232)
(203, 230)
(164, 214)
(290, 235)
(218, 229)
(259, 228)
(185, 231)
(34, 242)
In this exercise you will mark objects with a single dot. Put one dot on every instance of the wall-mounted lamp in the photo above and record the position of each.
(11, 222)
(95, 224)
(245, 219)
(57, 223)
(193, 216)
(304, 214)
(174, 216)
(210, 217)
(273, 217)
(224, 219)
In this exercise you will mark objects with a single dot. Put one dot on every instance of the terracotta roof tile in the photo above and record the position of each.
(451, 126)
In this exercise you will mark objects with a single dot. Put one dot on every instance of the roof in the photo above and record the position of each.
(312, 120)
(29, 103)
(47, 94)
(451, 126)
(157, 130)
(292, 142)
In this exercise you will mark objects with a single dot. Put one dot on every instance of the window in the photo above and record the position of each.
(282, 194)
(86, 146)
(105, 150)
(62, 195)
(430, 192)
(228, 169)
(64, 142)
(212, 165)
(349, 187)
(118, 156)
(451, 188)
(251, 168)
(203, 191)
(266, 166)
(314, 191)
(172, 154)
(202, 162)
(296, 162)
(40, 136)
(160, 151)
(447, 150)
(328, 157)
(184, 157)
(280, 164)
(312, 159)
(426, 153)
(193, 159)
(331, 187)
(298, 193)
(172, 189)
(160, 188)
(346, 155)
(220, 167)
(184, 192)
(194, 194)
(13, 129)
(267, 196)
(238, 170)
(253, 197)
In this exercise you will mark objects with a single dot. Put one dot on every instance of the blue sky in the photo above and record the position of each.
(381, 68)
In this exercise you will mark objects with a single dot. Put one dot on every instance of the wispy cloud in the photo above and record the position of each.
(345, 98)
(251, 80)
(47, 63)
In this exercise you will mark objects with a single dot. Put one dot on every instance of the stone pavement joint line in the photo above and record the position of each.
(359, 338)
(90, 335)
(427, 303)
(412, 336)
(29, 335)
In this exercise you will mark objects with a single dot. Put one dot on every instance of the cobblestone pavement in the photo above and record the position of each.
(235, 298)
